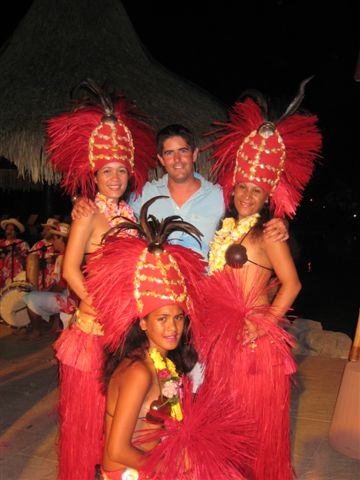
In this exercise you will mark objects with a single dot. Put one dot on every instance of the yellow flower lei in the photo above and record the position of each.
(230, 232)
(161, 364)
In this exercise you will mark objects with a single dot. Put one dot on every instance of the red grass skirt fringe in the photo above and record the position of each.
(255, 376)
(262, 384)
(258, 380)
(82, 404)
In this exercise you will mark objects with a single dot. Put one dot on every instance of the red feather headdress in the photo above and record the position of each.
(131, 277)
(95, 133)
(277, 155)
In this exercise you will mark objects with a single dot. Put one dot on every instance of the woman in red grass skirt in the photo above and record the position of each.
(263, 164)
(95, 147)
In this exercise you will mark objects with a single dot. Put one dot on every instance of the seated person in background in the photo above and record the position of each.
(13, 251)
(42, 305)
(45, 253)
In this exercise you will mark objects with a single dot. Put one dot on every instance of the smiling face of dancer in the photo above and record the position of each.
(112, 180)
(164, 327)
(249, 198)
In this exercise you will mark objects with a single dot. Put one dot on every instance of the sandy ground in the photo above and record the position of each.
(28, 421)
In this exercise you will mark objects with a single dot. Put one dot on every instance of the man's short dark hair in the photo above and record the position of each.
(174, 130)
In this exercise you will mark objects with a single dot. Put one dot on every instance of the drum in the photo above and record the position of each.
(32, 269)
(20, 277)
(12, 306)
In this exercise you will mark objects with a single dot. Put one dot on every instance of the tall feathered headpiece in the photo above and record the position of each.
(131, 277)
(95, 132)
(277, 154)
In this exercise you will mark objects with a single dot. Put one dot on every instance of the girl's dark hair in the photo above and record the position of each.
(129, 189)
(258, 228)
(184, 356)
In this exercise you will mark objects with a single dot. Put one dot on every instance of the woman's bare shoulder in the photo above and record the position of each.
(270, 245)
(135, 370)
(84, 221)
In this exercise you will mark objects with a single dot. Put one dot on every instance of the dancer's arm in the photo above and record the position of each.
(133, 387)
(282, 262)
(80, 233)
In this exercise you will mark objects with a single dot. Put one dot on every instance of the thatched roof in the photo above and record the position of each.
(61, 42)
(10, 179)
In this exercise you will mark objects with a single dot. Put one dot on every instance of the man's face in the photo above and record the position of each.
(58, 243)
(46, 232)
(10, 232)
(178, 159)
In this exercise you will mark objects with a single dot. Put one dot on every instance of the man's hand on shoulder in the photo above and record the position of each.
(276, 230)
(83, 207)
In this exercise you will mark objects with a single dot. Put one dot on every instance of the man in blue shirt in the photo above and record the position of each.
(191, 196)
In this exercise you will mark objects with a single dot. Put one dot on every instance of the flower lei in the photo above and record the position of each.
(230, 232)
(170, 382)
(112, 211)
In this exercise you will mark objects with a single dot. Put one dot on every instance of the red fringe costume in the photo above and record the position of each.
(278, 156)
(214, 441)
(255, 375)
(79, 143)
(129, 278)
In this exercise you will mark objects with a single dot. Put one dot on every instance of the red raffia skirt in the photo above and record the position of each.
(256, 376)
(258, 381)
(262, 386)
(82, 400)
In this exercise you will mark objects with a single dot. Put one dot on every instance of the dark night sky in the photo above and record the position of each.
(268, 45)
(272, 46)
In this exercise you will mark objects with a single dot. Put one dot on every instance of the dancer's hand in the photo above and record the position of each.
(251, 332)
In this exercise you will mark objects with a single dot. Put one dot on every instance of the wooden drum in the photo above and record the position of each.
(32, 269)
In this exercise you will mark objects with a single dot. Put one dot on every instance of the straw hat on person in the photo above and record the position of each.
(51, 222)
(62, 229)
(13, 221)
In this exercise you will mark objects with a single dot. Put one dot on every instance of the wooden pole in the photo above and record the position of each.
(344, 433)
(355, 349)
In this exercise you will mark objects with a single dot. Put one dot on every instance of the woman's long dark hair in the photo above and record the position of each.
(135, 347)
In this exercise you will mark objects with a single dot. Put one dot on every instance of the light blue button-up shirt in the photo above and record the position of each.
(204, 209)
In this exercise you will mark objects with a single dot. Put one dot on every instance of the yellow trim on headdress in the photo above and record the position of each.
(114, 143)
